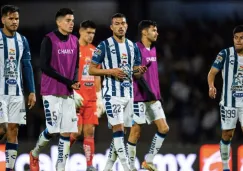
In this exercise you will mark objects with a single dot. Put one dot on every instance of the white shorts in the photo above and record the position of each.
(230, 116)
(119, 110)
(147, 111)
(60, 114)
(12, 109)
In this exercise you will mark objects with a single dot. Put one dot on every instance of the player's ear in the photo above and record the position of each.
(144, 32)
(111, 27)
(3, 20)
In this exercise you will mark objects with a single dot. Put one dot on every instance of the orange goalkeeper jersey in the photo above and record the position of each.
(87, 82)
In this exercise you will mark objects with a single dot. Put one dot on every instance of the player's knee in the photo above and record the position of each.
(164, 129)
(12, 133)
(89, 131)
(135, 132)
(227, 135)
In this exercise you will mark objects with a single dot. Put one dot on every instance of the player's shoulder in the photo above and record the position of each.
(226, 51)
(91, 46)
(73, 37)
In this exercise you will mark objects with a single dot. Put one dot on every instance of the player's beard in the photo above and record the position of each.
(120, 36)
(240, 50)
(11, 30)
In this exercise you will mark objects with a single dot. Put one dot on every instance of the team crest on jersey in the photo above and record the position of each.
(10, 67)
(237, 84)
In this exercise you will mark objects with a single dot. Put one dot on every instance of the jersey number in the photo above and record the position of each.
(116, 108)
(230, 113)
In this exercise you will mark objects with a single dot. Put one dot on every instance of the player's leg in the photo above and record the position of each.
(111, 157)
(68, 125)
(114, 110)
(11, 145)
(229, 117)
(90, 120)
(89, 145)
(51, 109)
(16, 116)
(76, 135)
(3, 131)
(139, 110)
(156, 114)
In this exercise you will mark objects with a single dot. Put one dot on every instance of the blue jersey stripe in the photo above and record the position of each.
(130, 64)
(234, 73)
(17, 59)
(113, 85)
(118, 56)
(226, 77)
(106, 79)
(5, 45)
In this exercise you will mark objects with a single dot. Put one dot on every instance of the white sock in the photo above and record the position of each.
(155, 146)
(120, 149)
(111, 157)
(43, 140)
(11, 155)
(225, 151)
(63, 152)
(131, 148)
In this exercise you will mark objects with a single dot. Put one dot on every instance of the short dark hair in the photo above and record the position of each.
(63, 12)
(238, 29)
(118, 15)
(87, 24)
(145, 24)
(5, 9)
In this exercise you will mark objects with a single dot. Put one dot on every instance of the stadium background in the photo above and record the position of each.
(191, 33)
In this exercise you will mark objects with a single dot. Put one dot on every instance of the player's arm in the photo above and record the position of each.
(77, 65)
(46, 55)
(216, 67)
(28, 73)
(137, 63)
(97, 59)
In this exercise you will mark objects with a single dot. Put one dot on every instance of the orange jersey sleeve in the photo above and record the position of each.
(87, 82)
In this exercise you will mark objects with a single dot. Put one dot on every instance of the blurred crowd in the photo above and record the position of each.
(185, 54)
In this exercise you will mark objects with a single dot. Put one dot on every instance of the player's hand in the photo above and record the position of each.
(212, 92)
(31, 100)
(118, 73)
(142, 69)
(76, 86)
(99, 104)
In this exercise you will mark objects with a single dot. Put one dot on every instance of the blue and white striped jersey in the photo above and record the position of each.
(232, 72)
(112, 54)
(14, 59)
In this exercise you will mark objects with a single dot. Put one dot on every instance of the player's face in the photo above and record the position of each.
(87, 34)
(66, 23)
(238, 41)
(11, 21)
(119, 26)
(152, 33)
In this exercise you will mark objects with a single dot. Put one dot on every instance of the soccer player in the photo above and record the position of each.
(146, 108)
(60, 56)
(90, 92)
(118, 56)
(147, 105)
(14, 62)
(230, 62)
